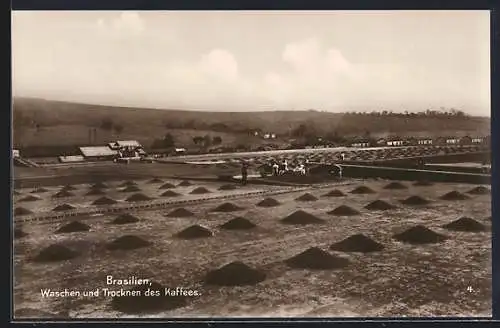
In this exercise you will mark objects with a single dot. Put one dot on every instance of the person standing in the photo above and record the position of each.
(276, 169)
(339, 171)
(301, 169)
(244, 173)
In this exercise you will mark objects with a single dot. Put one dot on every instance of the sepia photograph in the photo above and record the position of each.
(251, 164)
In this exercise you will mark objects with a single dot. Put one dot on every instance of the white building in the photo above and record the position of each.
(130, 144)
(98, 153)
(395, 143)
(360, 144)
(269, 136)
(424, 142)
(71, 159)
(127, 148)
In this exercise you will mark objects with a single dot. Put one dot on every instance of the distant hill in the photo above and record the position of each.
(46, 122)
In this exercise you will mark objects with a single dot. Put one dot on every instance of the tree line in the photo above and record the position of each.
(168, 141)
(442, 112)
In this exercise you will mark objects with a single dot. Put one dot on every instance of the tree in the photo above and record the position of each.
(190, 124)
(219, 127)
(107, 124)
(118, 128)
(207, 141)
(335, 137)
(299, 131)
(311, 140)
(217, 140)
(168, 141)
(197, 140)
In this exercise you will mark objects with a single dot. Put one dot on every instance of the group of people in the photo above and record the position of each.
(283, 168)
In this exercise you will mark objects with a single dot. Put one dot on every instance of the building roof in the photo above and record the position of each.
(77, 158)
(128, 143)
(97, 151)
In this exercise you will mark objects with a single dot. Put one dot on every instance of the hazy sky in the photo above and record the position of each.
(256, 60)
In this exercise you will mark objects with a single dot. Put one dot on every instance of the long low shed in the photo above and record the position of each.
(98, 152)
(71, 159)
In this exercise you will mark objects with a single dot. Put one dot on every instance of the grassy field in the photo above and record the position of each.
(77, 134)
(72, 121)
(400, 280)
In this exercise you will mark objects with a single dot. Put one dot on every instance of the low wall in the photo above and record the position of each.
(357, 171)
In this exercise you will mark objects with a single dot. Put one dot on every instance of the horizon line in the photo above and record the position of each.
(377, 109)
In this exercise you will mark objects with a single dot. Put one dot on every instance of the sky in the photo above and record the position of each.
(256, 60)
